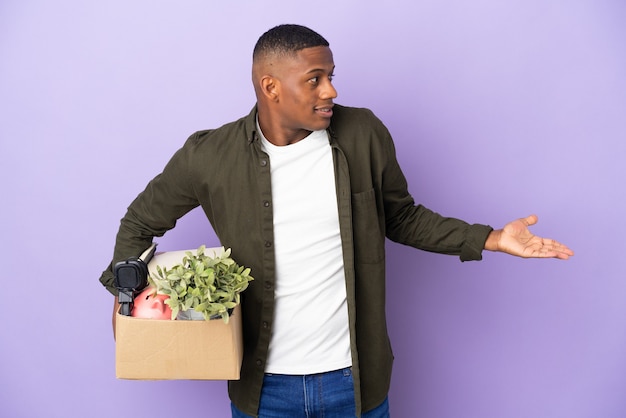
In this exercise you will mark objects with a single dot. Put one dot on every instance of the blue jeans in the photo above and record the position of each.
(324, 395)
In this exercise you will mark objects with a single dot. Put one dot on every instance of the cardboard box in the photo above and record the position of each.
(152, 349)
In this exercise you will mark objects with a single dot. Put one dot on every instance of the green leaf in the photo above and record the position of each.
(211, 284)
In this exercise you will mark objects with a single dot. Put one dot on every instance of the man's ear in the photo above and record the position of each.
(270, 87)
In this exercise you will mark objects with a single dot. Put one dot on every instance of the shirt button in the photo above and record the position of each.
(266, 325)
(263, 163)
(259, 362)
(268, 244)
(268, 285)
(266, 203)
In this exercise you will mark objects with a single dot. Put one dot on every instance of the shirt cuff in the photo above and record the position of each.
(472, 248)
(108, 280)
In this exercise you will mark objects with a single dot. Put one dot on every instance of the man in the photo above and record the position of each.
(304, 192)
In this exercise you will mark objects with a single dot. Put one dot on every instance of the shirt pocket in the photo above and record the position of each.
(369, 239)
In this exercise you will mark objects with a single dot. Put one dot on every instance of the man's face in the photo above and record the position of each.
(306, 93)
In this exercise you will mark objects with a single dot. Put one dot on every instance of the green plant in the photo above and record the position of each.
(210, 285)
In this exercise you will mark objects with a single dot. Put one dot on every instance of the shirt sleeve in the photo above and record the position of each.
(413, 224)
(167, 197)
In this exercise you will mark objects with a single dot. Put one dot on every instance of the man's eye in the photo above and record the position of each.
(315, 80)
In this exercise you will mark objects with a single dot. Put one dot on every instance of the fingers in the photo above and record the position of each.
(530, 220)
(555, 249)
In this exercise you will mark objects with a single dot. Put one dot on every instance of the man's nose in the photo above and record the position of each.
(329, 91)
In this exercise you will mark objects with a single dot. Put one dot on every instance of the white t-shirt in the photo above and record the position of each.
(310, 332)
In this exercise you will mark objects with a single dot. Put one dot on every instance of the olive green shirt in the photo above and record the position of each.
(226, 172)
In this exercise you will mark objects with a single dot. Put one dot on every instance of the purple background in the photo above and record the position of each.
(499, 109)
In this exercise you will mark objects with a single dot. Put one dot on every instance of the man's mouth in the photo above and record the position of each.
(325, 111)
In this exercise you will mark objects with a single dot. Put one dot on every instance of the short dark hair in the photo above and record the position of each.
(287, 39)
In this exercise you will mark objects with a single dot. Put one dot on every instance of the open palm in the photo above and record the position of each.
(516, 239)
